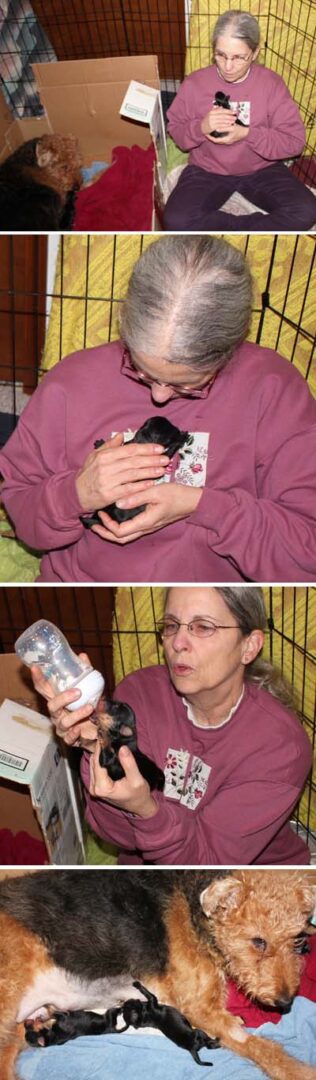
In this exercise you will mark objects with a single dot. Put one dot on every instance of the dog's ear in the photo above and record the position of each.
(44, 156)
(308, 892)
(225, 893)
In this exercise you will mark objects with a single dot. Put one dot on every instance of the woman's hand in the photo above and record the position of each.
(165, 503)
(72, 727)
(235, 134)
(218, 119)
(132, 793)
(115, 469)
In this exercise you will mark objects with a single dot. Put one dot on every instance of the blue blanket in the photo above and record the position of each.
(109, 1057)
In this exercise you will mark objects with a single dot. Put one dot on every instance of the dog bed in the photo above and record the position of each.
(114, 1056)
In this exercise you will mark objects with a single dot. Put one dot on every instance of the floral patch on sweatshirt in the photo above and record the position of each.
(186, 777)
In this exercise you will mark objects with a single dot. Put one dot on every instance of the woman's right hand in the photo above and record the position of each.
(117, 469)
(218, 119)
(73, 727)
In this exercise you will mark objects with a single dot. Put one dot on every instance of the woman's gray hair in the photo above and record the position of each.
(188, 301)
(240, 25)
(246, 603)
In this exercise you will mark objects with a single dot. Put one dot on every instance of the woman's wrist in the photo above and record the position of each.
(148, 810)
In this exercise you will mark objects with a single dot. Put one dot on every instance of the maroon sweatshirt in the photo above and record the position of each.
(253, 453)
(263, 102)
(229, 791)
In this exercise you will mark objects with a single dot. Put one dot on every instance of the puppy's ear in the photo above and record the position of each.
(225, 893)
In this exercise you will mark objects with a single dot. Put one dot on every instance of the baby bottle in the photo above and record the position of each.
(45, 645)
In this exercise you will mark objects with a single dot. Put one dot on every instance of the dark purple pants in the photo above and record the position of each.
(196, 200)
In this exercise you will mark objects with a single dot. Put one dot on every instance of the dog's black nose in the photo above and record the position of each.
(283, 1004)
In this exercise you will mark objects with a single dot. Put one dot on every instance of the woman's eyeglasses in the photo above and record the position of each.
(133, 372)
(201, 628)
(233, 59)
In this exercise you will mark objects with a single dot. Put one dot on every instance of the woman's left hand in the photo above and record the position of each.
(132, 793)
(165, 503)
(235, 134)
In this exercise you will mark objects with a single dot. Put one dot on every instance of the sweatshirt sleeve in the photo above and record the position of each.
(39, 489)
(283, 136)
(271, 535)
(184, 125)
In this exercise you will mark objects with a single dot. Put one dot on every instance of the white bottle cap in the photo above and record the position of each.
(91, 686)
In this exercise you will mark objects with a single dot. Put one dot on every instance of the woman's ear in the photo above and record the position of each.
(251, 646)
(255, 53)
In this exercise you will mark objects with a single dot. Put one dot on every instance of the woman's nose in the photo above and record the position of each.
(181, 640)
(161, 393)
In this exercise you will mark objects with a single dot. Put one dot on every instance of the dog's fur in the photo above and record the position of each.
(37, 183)
(122, 732)
(139, 1014)
(181, 933)
(157, 429)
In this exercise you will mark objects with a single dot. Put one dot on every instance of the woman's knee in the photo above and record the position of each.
(175, 215)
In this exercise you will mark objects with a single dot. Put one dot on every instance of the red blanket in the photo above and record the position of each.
(252, 1014)
(122, 199)
(21, 849)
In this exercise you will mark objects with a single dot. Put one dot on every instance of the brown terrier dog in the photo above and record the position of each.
(78, 939)
(36, 182)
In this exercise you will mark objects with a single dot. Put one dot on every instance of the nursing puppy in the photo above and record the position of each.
(122, 732)
(78, 939)
(155, 430)
(135, 1013)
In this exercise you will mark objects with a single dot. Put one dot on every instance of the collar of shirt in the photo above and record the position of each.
(216, 726)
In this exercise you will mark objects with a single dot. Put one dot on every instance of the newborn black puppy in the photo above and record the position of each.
(155, 430)
(224, 101)
(135, 1013)
(122, 732)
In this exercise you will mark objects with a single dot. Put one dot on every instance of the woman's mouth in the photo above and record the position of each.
(182, 669)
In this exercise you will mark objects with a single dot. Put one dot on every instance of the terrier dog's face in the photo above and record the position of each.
(259, 922)
(61, 158)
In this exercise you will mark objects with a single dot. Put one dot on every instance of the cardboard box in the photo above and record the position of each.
(37, 792)
(84, 98)
(143, 103)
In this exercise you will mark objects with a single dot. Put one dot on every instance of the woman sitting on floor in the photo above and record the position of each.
(238, 146)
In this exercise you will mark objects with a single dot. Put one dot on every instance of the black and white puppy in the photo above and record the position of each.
(157, 429)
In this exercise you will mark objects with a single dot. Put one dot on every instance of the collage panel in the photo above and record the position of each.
(220, 963)
(181, 115)
(176, 725)
(166, 400)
